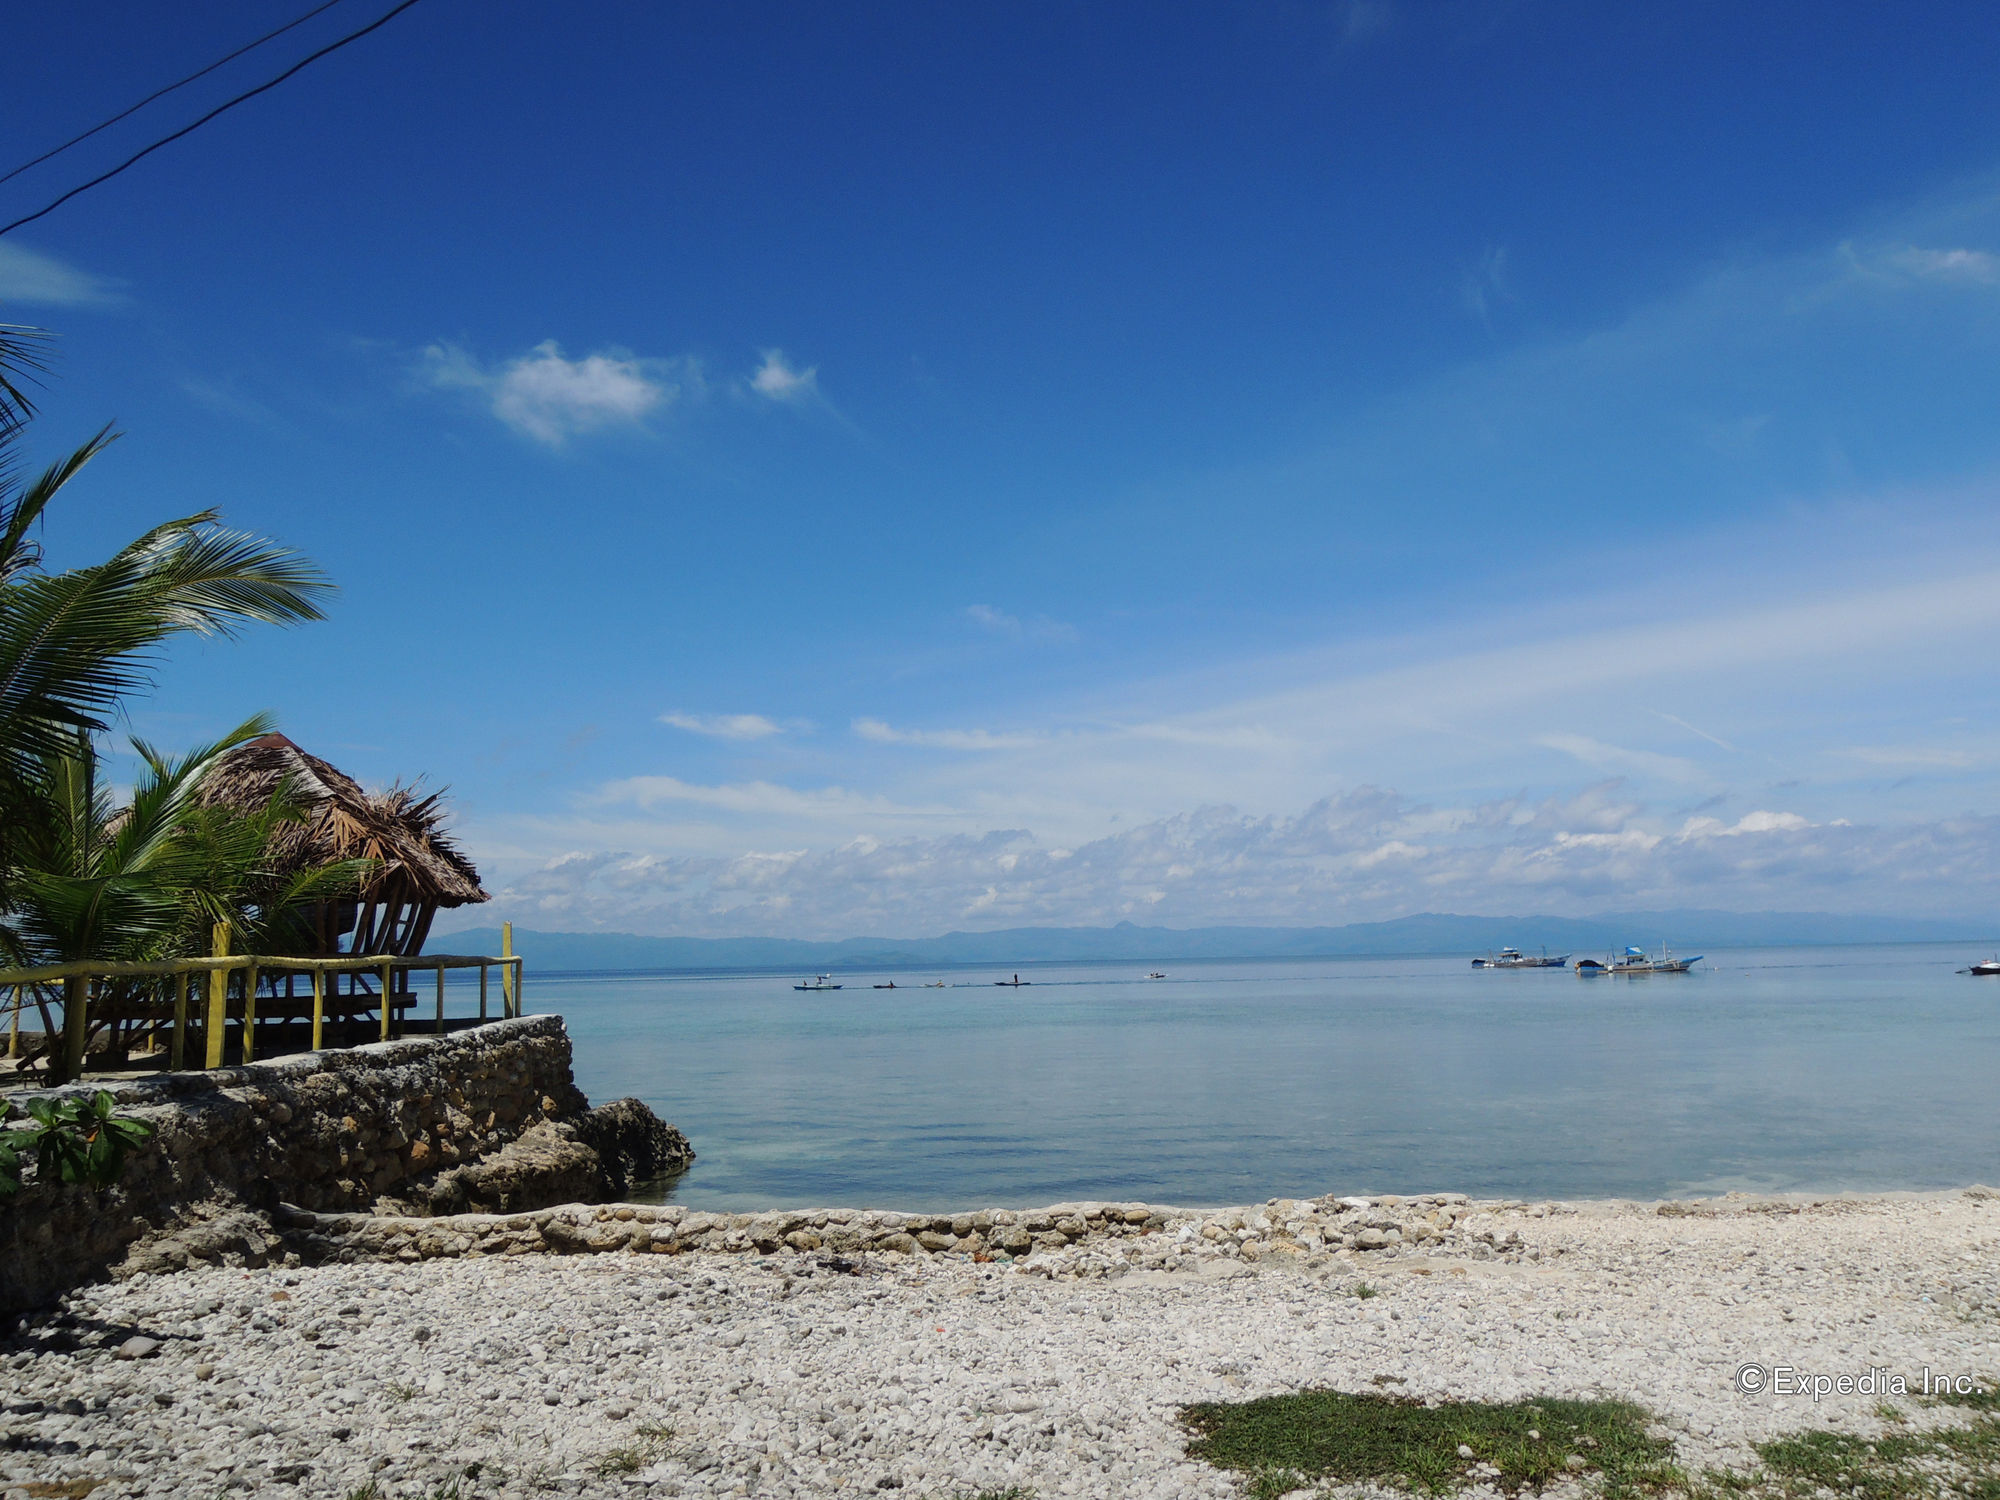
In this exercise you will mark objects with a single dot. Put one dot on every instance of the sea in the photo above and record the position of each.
(1843, 1069)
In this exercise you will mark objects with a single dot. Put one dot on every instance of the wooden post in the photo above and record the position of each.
(509, 978)
(76, 1018)
(177, 1057)
(218, 995)
(482, 998)
(319, 1005)
(440, 1025)
(388, 979)
(250, 1013)
(14, 1026)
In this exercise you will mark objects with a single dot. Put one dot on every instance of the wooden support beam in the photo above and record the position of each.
(509, 979)
(218, 995)
(177, 1057)
(250, 1014)
(319, 1005)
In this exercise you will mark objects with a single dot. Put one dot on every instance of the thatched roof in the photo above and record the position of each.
(397, 827)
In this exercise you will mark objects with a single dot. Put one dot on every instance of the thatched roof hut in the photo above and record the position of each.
(421, 869)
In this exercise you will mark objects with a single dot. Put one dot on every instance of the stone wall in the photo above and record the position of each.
(489, 1117)
(1065, 1240)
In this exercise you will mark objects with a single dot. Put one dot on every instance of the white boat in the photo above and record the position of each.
(1991, 966)
(1637, 961)
(821, 982)
(1514, 958)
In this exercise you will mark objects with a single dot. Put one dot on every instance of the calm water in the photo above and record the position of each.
(1767, 1070)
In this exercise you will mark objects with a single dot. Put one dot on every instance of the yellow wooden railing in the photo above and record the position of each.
(79, 979)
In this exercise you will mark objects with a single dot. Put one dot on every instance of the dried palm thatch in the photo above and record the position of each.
(420, 870)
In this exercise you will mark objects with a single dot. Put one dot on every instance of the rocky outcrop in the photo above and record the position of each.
(587, 1160)
(486, 1117)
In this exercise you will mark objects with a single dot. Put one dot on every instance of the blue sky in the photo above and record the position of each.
(813, 470)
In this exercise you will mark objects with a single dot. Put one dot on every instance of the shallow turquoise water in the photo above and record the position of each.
(1767, 1070)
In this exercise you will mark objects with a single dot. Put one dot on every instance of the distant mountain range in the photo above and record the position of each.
(1430, 933)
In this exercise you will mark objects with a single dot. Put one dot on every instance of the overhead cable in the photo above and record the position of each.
(262, 88)
(76, 140)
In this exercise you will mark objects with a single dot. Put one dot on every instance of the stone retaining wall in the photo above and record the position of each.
(1086, 1240)
(486, 1117)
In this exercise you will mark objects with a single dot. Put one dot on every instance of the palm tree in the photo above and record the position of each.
(79, 879)
(74, 644)
(148, 880)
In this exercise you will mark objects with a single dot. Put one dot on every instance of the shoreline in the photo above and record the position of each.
(808, 1372)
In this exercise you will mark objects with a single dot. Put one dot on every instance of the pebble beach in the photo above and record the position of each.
(1060, 1372)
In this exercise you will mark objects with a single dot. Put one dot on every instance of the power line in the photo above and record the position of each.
(262, 88)
(162, 93)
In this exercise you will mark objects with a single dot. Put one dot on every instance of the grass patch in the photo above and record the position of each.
(1282, 1443)
(1364, 1291)
(1901, 1466)
(1985, 1398)
(1897, 1466)
(653, 1440)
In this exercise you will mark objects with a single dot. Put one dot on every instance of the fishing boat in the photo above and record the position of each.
(1157, 974)
(1589, 968)
(1514, 958)
(1991, 966)
(1638, 961)
(935, 984)
(1013, 984)
(889, 986)
(821, 982)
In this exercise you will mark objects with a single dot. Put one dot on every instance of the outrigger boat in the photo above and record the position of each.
(1514, 958)
(1637, 961)
(1013, 984)
(823, 982)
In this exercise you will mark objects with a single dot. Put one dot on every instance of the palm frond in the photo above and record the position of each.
(23, 357)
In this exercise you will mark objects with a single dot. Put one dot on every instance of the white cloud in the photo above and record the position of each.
(756, 797)
(1911, 757)
(29, 276)
(725, 726)
(1484, 285)
(550, 398)
(1615, 758)
(1980, 266)
(1364, 856)
(943, 739)
(778, 380)
(1039, 628)
(1751, 822)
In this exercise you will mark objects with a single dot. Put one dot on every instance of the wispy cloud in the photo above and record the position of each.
(756, 797)
(943, 739)
(725, 726)
(1483, 286)
(1911, 757)
(1036, 628)
(1981, 266)
(31, 277)
(778, 379)
(548, 397)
